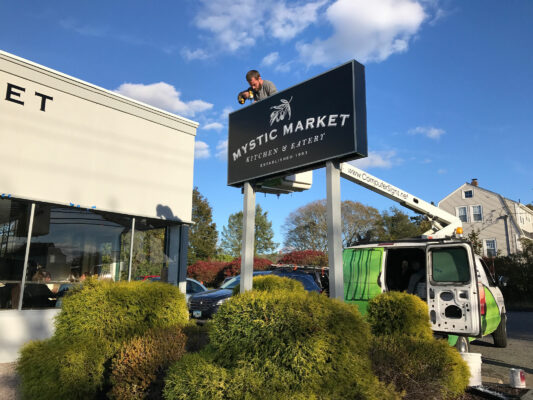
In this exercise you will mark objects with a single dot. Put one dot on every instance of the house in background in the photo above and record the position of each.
(501, 222)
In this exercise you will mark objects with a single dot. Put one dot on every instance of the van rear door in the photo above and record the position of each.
(453, 297)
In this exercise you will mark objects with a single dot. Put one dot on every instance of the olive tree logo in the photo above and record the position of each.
(280, 111)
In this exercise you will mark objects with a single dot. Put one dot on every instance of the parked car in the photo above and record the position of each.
(204, 305)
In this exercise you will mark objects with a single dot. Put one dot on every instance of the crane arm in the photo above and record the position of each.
(442, 223)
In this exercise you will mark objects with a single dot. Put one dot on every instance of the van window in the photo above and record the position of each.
(450, 264)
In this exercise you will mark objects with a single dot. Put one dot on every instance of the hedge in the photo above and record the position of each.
(282, 344)
(421, 368)
(273, 282)
(399, 313)
(115, 311)
(140, 360)
(96, 319)
(305, 257)
(206, 271)
(405, 354)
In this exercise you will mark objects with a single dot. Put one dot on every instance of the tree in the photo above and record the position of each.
(398, 225)
(360, 223)
(477, 243)
(307, 229)
(231, 242)
(203, 235)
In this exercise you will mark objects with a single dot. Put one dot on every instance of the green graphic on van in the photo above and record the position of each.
(362, 270)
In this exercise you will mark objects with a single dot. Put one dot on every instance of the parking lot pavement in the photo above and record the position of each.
(496, 362)
(8, 382)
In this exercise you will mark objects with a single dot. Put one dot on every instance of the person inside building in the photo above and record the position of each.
(259, 88)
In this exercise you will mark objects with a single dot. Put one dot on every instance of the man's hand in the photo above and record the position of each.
(243, 96)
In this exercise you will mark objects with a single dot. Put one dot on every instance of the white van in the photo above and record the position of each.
(463, 298)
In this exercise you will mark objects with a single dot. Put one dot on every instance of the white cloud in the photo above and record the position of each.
(377, 159)
(237, 24)
(165, 96)
(212, 126)
(222, 150)
(429, 131)
(201, 150)
(197, 54)
(365, 30)
(225, 112)
(270, 59)
(441, 171)
(234, 23)
(286, 22)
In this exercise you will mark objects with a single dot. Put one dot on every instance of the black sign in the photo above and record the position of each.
(300, 128)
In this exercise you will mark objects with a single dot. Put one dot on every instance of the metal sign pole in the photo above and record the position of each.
(333, 183)
(248, 235)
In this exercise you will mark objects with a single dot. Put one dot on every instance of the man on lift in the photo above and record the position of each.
(259, 88)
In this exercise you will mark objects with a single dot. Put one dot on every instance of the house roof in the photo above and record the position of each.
(503, 201)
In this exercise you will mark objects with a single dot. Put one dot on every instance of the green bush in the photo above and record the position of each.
(94, 322)
(273, 282)
(196, 377)
(141, 360)
(115, 311)
(393, 313)
(282, 344)
(53, 369)
(420, 368)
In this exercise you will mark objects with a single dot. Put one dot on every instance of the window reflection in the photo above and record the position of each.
(14, 218)
(76, 244)
(149, 259)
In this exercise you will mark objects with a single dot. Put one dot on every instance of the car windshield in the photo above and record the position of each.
(231, 283)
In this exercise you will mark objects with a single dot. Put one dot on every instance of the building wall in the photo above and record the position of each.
(492, 225)
(68, 142)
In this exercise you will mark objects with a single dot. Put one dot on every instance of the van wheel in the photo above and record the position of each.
(500, 334)
(462, 345)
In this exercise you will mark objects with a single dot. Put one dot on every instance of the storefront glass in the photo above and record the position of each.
(67, 246)
(14, 218)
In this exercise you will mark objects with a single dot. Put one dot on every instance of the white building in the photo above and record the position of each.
(83, 170)
(501, 222)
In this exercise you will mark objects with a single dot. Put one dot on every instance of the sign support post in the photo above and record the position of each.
(248, 236)
(333, 183)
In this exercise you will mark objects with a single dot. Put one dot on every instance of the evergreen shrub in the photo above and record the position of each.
(305, 257)
(273, 282)
(52, 369)
(142, 359)
(115, 311)
(288, 344)
(393, 313)
(196, 377)
(420, 368)
(95, 320)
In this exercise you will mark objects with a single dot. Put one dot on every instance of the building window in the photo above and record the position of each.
(14, 218)
(468, 194)
(477, 214)
(490, 247)
(462, 214)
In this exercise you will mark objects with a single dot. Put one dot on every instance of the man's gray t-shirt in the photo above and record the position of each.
(268, 89)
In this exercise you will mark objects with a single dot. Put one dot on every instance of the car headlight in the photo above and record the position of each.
(222, 301)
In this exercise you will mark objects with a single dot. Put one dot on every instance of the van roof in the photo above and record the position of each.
(420, 242)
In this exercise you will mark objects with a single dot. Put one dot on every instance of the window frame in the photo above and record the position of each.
(468, 190)
(486, 248)
(459, 215)
(472, 212)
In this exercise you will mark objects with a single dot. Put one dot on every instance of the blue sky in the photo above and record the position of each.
(449, 83)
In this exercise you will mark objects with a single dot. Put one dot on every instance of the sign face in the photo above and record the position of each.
(300, 128)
